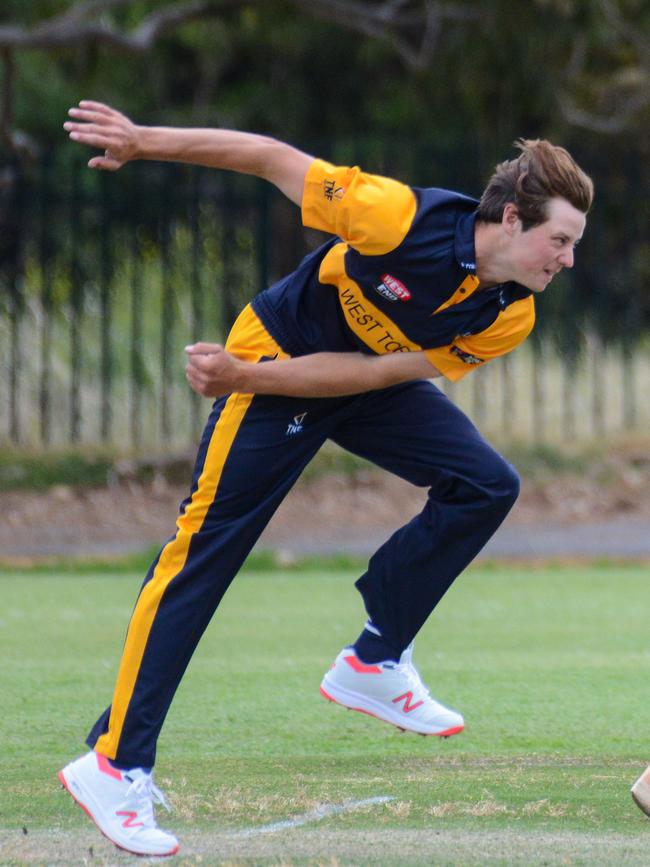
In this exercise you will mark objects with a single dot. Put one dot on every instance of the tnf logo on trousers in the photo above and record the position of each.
(296, 426)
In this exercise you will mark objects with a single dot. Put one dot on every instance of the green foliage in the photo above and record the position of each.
(542, 461)
(86, 468)
(291, 72)
(137, 564)
(38, 471)
(505, 73)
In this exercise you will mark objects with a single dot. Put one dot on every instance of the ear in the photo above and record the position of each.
(510, 221)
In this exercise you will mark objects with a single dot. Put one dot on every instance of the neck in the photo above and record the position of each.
(490, 258)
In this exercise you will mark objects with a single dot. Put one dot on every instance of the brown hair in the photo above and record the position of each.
(541, 172)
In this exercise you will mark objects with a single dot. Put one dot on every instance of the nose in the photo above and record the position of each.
(567, 258)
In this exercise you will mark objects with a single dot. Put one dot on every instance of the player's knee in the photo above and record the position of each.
(503, 484)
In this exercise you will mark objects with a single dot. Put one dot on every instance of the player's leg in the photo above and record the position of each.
(416, 432)
(247, 464)
(253, 449)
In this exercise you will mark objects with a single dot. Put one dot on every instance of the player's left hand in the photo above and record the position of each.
(210, 370)
(100, 126)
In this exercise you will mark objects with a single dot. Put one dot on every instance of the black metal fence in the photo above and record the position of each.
(104, 278)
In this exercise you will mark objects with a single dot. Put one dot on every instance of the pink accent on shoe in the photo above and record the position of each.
(130, 816)
(64, 783)
(444, 734)
(327, 696)
(361, 667)
(407, 698)
(107, 768)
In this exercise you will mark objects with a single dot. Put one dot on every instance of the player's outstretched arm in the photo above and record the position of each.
(212, 372)
(100, 126)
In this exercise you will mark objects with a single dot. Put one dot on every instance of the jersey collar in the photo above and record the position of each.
(464, 242)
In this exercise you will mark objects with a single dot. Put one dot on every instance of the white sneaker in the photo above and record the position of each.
(120, 803)
(390, 691)
(641, 792)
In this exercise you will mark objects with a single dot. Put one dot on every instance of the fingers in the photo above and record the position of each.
(106, 163)
(204, 349)
(195, 379)
(203, 384)
(209, 369)
(94, 135)
(97, 125)
(87, 116)
(205, 362)
(97, 139)
(99, 107)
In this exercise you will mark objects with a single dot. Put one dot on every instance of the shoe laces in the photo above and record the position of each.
(412, 676)
(147, 793)
(410, 672)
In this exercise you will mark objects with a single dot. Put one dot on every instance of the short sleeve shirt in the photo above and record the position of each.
(399, 275)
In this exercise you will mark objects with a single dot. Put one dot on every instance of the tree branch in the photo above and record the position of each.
(72, 27)
(634, 35)
(611, 124)
(412, 27)
(619, 96)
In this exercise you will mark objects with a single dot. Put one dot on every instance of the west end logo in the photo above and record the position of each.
(296, 426)
(392, 289)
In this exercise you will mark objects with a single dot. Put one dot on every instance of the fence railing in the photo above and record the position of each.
(105, 278)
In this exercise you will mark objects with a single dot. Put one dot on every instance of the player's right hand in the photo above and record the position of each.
(101, 126)
(211, 371)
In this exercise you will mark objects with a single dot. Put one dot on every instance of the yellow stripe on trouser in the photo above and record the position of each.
(251, 338)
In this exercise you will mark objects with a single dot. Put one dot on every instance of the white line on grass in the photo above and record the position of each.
(321, 812)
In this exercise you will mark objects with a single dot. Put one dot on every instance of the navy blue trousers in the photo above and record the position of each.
(253, 450)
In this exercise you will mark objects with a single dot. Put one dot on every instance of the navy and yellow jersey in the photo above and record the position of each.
(400, 276)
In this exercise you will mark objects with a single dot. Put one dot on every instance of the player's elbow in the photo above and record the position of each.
(285, 167)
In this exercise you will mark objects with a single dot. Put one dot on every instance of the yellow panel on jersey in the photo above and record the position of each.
(249, 340)
(511, 327)
(368, 323)
(373, 214)
(249, 331)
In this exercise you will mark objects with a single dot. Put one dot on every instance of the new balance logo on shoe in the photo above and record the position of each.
(407, 698)
(128, 822)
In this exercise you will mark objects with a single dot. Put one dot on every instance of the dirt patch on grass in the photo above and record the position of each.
(352, 511)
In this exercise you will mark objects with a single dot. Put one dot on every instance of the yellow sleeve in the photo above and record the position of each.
(371, 213)
(510, 328)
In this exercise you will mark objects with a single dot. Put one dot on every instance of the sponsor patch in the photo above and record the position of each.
(393, 289)
(465, 356)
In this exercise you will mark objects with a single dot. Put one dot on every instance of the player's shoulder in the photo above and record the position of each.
(440, 217)
(433, 199)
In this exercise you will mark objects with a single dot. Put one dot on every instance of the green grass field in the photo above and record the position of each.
(549, 666)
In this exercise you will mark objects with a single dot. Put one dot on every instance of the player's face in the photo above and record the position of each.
(540, 253)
